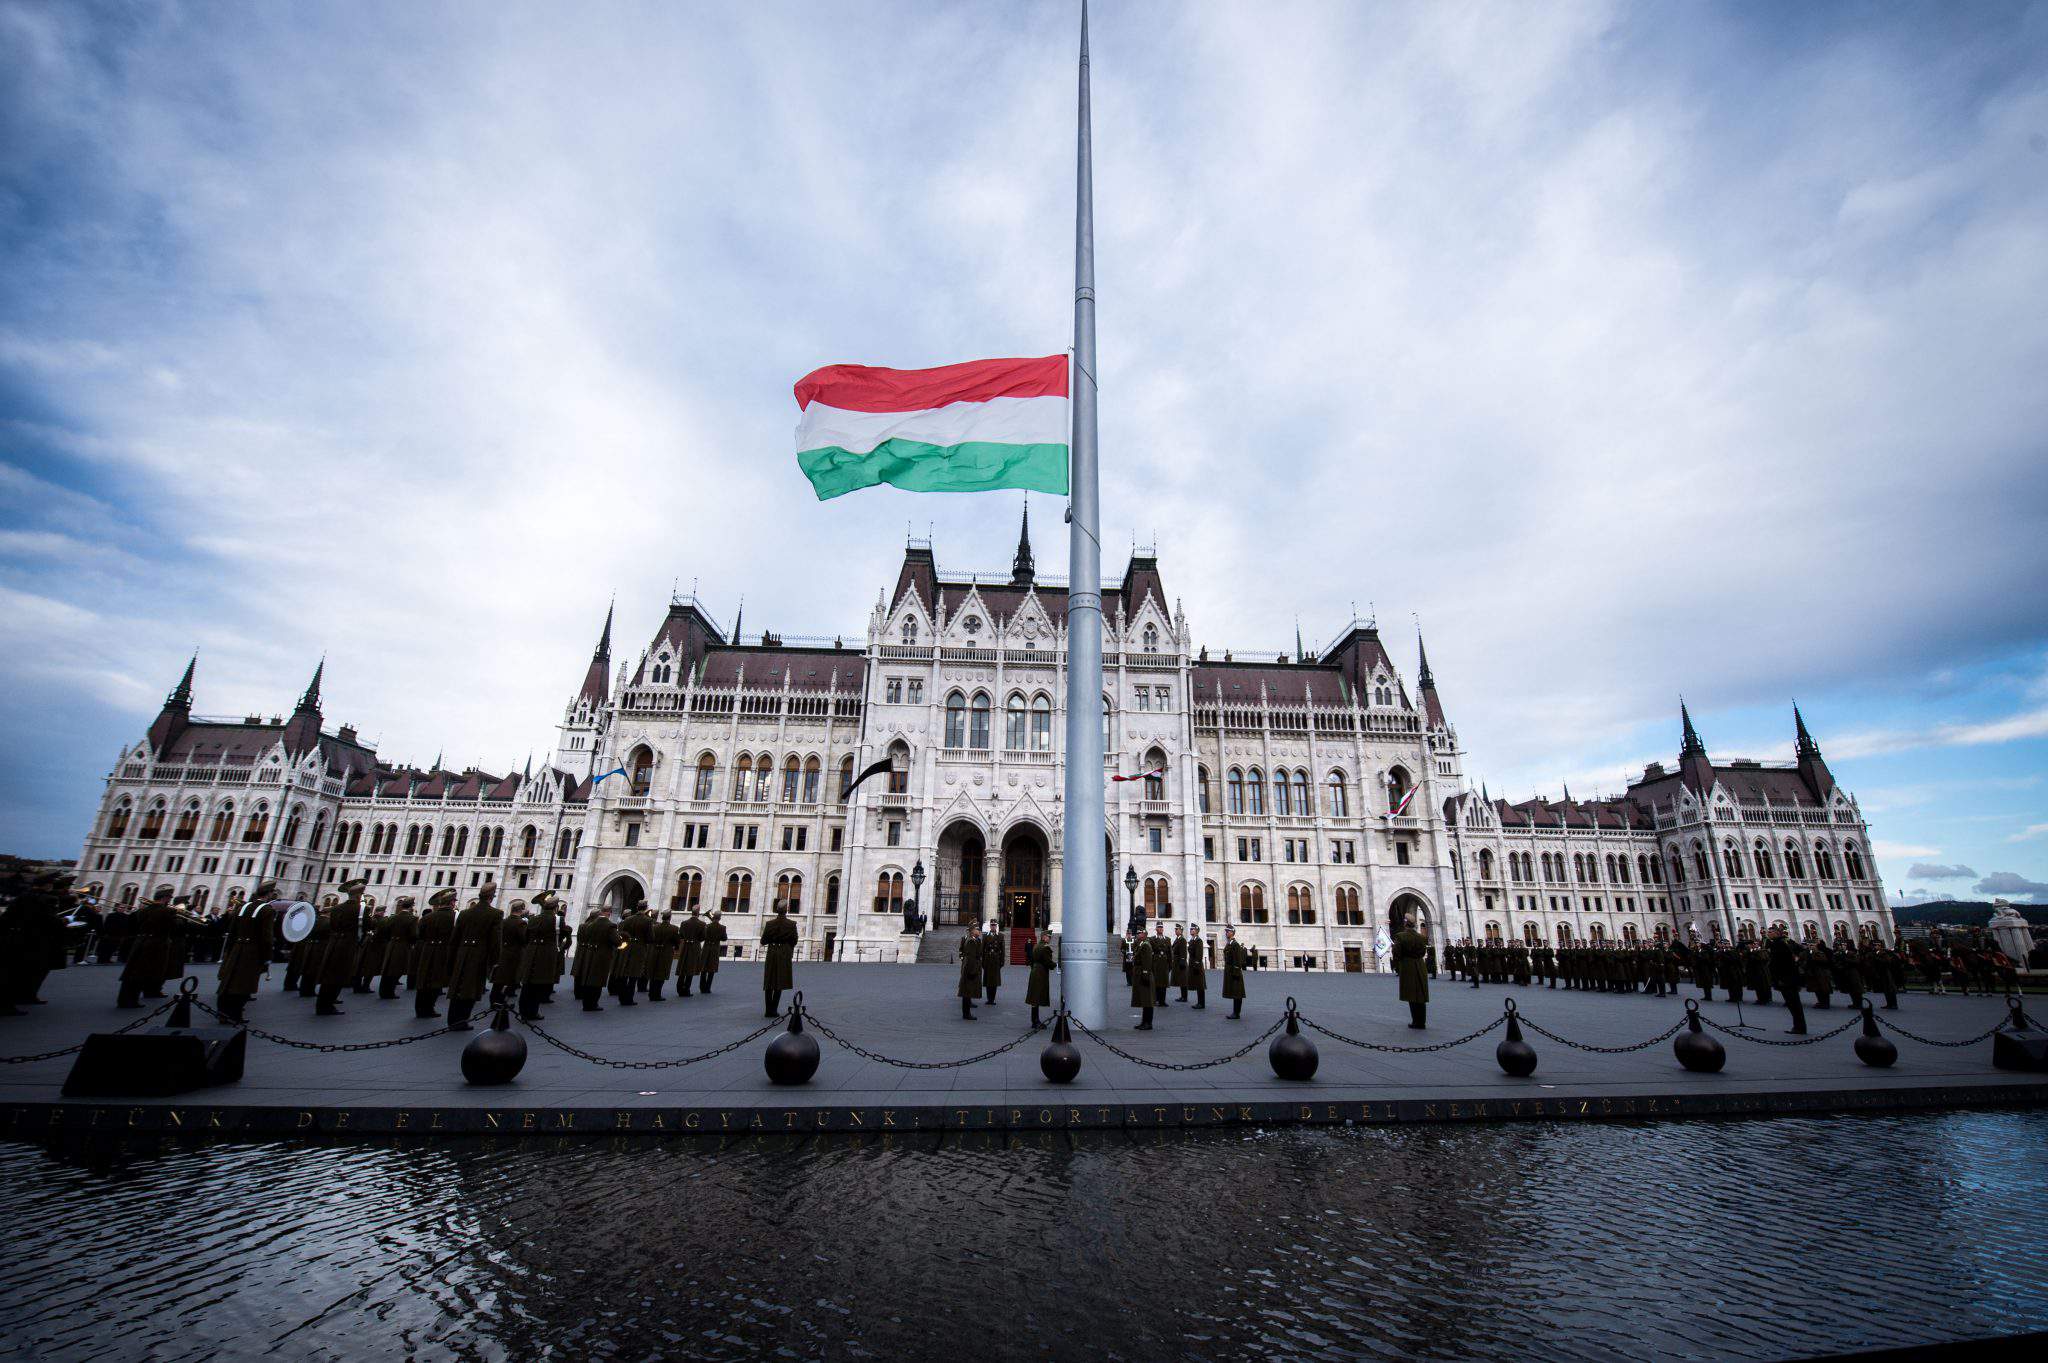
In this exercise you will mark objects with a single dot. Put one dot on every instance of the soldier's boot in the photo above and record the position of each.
(130, 997)
(1798, 1011)
(1236, 1009)
(654, 991)
(773, 1000)
(291, 981)
(1035, 1023)
(992, 996)
(1146, 1024)
(1183, 995)
(389, 989)
(1418, 1015)
(1891, 998)
(1821, 997)
(967, 1009)
(458, 1013)
(529, 1002)
(326, 1007)
(589, 996)
(705, 984)
(1201, 998)
(231, 1006)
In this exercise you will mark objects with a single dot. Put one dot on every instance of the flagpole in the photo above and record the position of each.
(1084, 875)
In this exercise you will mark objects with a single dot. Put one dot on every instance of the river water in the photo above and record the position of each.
(1740, 1239)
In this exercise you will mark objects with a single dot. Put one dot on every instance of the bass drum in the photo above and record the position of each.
(295, 919)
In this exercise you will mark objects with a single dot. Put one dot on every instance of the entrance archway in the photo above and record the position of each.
(1408, 910)
(623, 894)
(958, 897)
(1021, 906)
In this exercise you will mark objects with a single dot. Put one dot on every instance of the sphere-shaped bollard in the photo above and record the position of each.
(496, 1054)
(1515, 1055)
(1060, 1060)
(792, 1058)
(2018, 1044)
(1872, 1048)
(1292, 1055)
(1696, 1050)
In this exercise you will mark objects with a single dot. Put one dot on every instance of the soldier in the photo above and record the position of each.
(316, 958)
(992, 953)
(157, 927)
(1038, 988)
(1123, 946)
(344, 941)
(433, 962)
(376, 942)
(252, 937)
(636, 930)
(667, 936)
(1783, 961)
(1892, 973)
(506, 970)
(1233, 973)
(1177, 970)
(689, 952)
(399, 944)
(1161, 963)
(1848, 975)
(1702, 969)
(778, 942)
(1146, 989)
(1196, 981)
(1520, 957)
(1820, 969)
(597, 950)
(476, 951)
(970, 957)
(714, 949)
(540, 964)
(295, 964)
(1408, 953)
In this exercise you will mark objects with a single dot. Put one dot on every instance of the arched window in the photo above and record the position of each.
(1283, 802)
(1251, 903)
(690, 890)
(1731, 858)
(1255, 788)
(1233, 791)
(188, 824)
(792, 779)
(640, 770)
(1485, 864)
(1677, 868)
(742, 776)
(529, 838)
(565, 846)
(1592, 869)
(1612, 874)
(1823, 861)
(899, 768)
(1399, 783)
(1151, 639)
(739, 893)
(1158, 897)
(257, 825)
(1854, 856)
(1041, 724)
(889, 892)
(1338, 802)
(1579, 867)
(1762, 853)
(1209, 901)
(1301, 907)
(1699, 860)
(814, 772)
(1349, 915)
(1795, 865)
(117, 822)
(764, 776)
(1155, 775)
(977, 721)
(223, 823)
(956, 720)
(1301, 800)
(462, 842)
(152, 821)
(292, 822)
(1643, 872)
(1014, 736)
(832, 894)
(355, 833)
(707, 777)
(789, 892)
(1202, 789)
(1108, 723)
(909, 632)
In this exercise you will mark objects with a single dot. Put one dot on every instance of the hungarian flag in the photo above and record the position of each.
(958, 428)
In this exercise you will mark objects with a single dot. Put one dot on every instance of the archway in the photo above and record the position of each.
(1021, 907)
(1408, 910)
(623, 893)
(957, 897)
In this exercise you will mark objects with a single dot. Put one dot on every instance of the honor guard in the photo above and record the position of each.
(157, 927)
(505, 971)
(540, 964)
(344, 943)
(1038, 987)
(1195, 979)
(476, 950)
(1408, 964)
(969, 987)
(714, 949)
(778, 943)
(433, 962)
(993, 953)
(1233, 972)
(597, 948)
(401, 941)
(252, 937)
(689, 952)
(667, 937)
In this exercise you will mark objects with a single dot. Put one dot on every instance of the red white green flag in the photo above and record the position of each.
(965, 427)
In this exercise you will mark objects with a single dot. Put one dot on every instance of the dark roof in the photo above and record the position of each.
(806, 669)
(686, 633)
(1618, 813)
(1748, 782)
(1284, 682)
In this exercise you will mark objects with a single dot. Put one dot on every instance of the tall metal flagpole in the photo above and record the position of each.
(1084, 912)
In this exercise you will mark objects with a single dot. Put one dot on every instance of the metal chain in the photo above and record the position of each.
(324, 1047)
(866, 1054)
(73, 1050)
(1768, 1041)
(545, 1035)
(1948, 1045)
(1405, 1050)
(1602, 1050)
(1115, 1049)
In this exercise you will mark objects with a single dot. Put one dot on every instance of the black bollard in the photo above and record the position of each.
(792, 1058)
(1515, 1055)
(2018, 1044)
(496, 1054)
(181, 1004)
(1872, 1048)
(1696, 1050)
(1292, 1055)
(1060, 1060)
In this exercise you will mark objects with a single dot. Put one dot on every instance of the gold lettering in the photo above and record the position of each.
(565, 1120)
(213, 1118)
(401, 1121)
(757, 1122)
(623, 1121)
(888, 1118)
(434, 1122)
(177, 1117)
(340, 1120)
(854, 1118)
(305, 1120)
(526, 1122)
(1045, 1116)
(492, 1118)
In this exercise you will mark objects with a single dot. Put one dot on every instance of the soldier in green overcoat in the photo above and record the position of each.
(1162, 964)
(1196, 980)
(476, 951)
(714, 950)
(1820, 965)
(433, 962)
(597, 949)
(995, 952)
(689, 952)
(505, 971)
(1038, 988)
(344, 944)
(1233, 972)
(540, 964)
(636, 929)
(1178, 973)
(376, 937)
(157, 928)
(970, 957)
(1146, 987)
(401, 938)
(667, 937)
(252, 937)
(778, 943)
(1408, 964)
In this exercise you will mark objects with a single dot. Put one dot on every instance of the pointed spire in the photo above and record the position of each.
(311, 700)
(738, 616)
(1299, 655)
(1427, 681)
(1690, 746)
(177, 711)
(1694, 768)
(1812, 765)
(604, 642)
(1807, 747)
(181, 694)
(1022, 570)
(1567, 792)
(597, 676)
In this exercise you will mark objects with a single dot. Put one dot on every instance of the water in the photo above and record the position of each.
(1749, 1239)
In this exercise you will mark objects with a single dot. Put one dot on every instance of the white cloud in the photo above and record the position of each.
(2030, 831)
(1899, 850)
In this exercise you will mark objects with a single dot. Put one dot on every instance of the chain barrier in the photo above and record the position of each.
(2018, 1014)
(1237, 1054)
(1549, 1035)
(1741, 1035)
(74, 1050)
(324, 1047)
(811, 1020)
(545, 1035)
(1406, 1050)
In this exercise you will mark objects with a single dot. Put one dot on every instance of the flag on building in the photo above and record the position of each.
(967, 427)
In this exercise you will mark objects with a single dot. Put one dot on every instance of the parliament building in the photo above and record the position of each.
(1313, 802)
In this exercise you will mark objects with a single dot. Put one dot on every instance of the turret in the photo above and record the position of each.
(1432, 708)
(1819, 779)
(176, 714)
(302, 730)
(1693, 767)
(596, 680)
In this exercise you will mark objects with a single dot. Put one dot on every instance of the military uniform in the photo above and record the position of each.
(401, 938)
(1178, 969)
(344, 944)
(636, 932)
(994, 944)
(252, 937)
(1144, 991)
(1196, 980)
(157, 929)
(540, 964)
(1233, 974)
(689, 953)
(376, 936)
(778, 941)
(597, 950)
(433, 963)
(505, 971)
(476, 951)
(969, 987)
(1038, 987)
(714, 950)
(1161, 959)
(667, 936)
(1408, 964)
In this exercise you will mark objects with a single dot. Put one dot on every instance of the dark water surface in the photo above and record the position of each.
(1740, 1239)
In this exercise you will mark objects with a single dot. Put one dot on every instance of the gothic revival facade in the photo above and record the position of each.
(1313, 802)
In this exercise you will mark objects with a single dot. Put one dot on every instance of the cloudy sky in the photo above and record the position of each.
(1637, 350)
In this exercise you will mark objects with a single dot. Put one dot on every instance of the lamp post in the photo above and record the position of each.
(910, 910)
(1131, 888)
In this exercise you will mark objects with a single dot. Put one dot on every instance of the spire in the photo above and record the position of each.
(1298, 653)
(1022, 570)
(1427, 681)
(1819, 779)
(302, 733)
(181, 694)
(311, 700)
(437, 763)
(1807, 747)
(1694, 768)
(740, 615)
(1432, 707)
(1691, 745)
(597, 677)
(177, 711)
